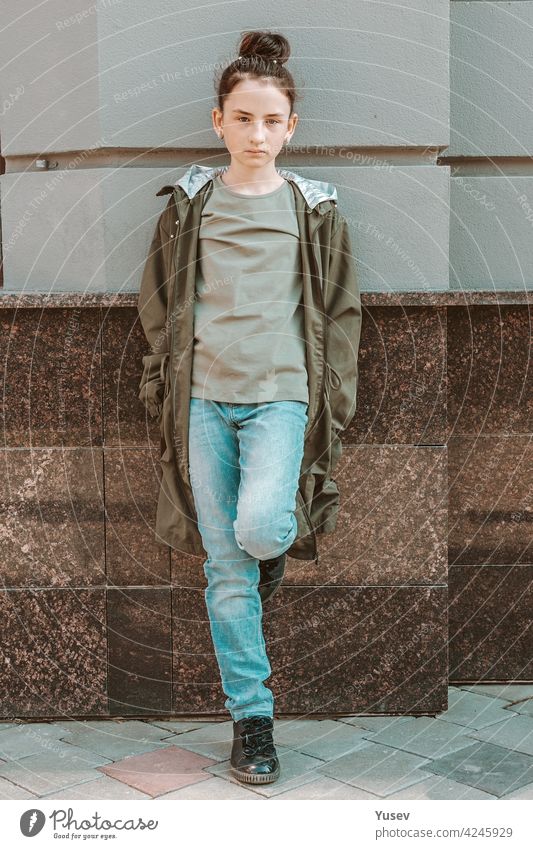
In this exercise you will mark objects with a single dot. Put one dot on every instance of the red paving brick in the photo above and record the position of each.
(160, 771)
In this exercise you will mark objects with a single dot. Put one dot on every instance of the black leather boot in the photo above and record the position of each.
(270, 576)
(253, 755)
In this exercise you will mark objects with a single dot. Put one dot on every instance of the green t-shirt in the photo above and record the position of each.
(249, 340)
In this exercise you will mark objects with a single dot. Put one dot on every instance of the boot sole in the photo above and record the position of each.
(257, 778)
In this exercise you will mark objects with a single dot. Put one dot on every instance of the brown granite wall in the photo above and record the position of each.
(98, 619)
(490, 469)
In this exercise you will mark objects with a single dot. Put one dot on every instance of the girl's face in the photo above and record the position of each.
(255, 118)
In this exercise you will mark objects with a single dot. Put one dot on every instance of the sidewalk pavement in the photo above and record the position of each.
(480, 748)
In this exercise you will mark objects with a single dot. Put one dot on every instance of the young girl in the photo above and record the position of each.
(250, 304)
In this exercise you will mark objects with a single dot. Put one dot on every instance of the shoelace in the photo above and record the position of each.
(257, 736)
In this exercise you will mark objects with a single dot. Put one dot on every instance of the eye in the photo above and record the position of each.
(273, 120)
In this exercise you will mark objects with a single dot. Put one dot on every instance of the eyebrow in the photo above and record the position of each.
(270, 114)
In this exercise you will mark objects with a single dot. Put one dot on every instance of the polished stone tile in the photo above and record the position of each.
(54, 652)
(490, 500)
(351, 650)
(401, 395)
(51, 390)
(392, 521)
(126, 421)
(133, 556)
(187, 570)
(336, 650)
(52, 529)
(489, 370)
(140, 650)
(196, 686)
(491, 629)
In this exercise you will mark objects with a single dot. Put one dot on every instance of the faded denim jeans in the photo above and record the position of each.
(244, 465)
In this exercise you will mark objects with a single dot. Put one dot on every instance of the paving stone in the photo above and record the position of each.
(213, 740)
(23, 740)
(523, 793)
(438, 787)
(472, 710)
(378, 769)
(429, 738)
(72, 725)
(217, 751)
(115, 741)
(215, 788)
(326, 788)
(44, 729)
(48, 772)
(373, 723)
(324, 739)
(161, 771)
(210, 731)
(525, 707)
(508, 692)
(8, 790)
(177, 726)
(488, 767)
(515, 733)
(296, 769)
(102, 788)
(131, 729)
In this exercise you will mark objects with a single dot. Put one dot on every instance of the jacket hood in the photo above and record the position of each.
(314, 191)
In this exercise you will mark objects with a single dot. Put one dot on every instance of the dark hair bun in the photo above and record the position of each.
(267, 45)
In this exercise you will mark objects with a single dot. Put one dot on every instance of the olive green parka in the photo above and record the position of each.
(332, 321)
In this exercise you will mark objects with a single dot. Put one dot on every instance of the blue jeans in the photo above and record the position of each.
(244, 465)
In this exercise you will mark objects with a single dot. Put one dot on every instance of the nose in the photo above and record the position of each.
(258, 133)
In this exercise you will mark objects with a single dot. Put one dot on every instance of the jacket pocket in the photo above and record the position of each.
(333, 380)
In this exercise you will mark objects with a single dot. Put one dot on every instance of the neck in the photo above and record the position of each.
(259, 179)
